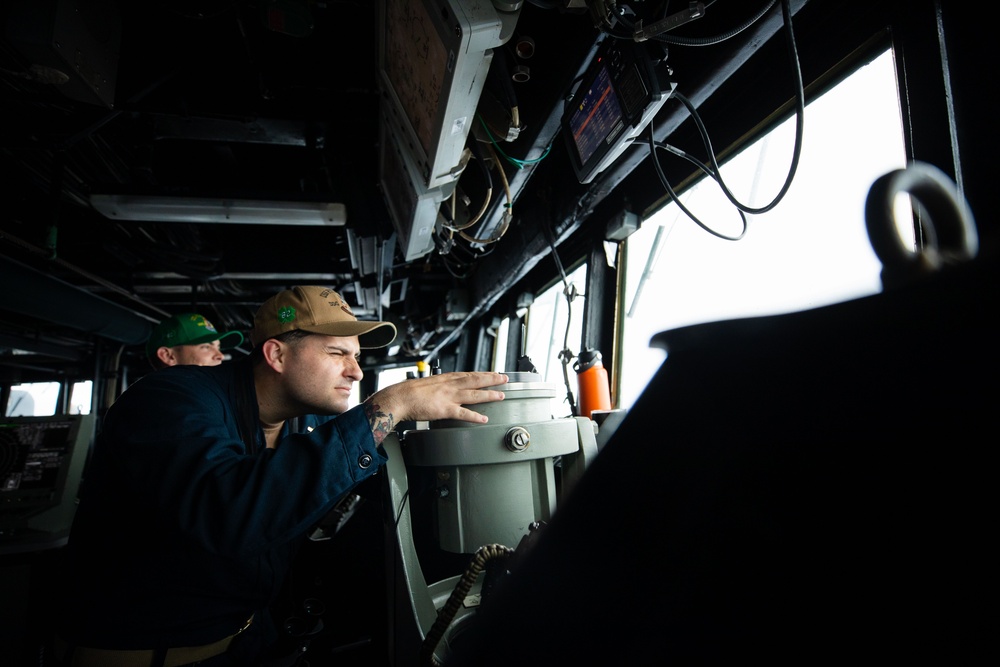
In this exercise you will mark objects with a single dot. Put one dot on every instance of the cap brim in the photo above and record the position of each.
(230, 339)
(371, 335)
(227, 341)
(380, 335)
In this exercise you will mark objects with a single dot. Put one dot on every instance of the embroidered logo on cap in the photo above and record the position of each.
(286, 314)
(336, 303)
(200, 321)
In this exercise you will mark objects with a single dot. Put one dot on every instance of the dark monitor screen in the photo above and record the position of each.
(35, 458)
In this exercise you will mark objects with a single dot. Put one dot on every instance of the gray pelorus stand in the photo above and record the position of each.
(492, 482)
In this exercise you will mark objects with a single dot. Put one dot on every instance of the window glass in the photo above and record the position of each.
(554, 323)
(810, 250)
(391, 376)
(500, 346)
(34, 399)
(80, 398)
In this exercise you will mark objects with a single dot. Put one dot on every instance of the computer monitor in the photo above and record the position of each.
(41, 465)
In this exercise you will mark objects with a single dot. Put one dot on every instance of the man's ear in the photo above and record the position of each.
(274, 354)
(167, 356)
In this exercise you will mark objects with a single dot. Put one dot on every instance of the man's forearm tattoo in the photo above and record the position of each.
(382, 423)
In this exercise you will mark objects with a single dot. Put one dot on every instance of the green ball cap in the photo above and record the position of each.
(189, 329)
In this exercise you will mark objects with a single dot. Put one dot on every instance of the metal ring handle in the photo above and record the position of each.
(949, 227)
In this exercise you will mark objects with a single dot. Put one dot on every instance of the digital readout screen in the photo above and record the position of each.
(598, 118)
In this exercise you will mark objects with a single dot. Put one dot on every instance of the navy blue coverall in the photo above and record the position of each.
(186, 525)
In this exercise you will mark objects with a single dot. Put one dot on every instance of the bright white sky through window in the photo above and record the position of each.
(811, 250)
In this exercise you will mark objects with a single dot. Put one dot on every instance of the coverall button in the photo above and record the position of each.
(365, 460)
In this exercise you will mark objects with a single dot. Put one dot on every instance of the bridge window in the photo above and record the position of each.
(41, 399)
(555, 323)
(810, 250)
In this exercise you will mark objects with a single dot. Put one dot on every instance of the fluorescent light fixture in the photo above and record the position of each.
(203, 209)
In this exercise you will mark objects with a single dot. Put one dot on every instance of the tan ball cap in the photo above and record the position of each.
(320, 310)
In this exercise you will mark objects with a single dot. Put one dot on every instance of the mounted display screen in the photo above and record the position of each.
(619, 95)
(598, 119)
(41, 461)
(434, 56)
